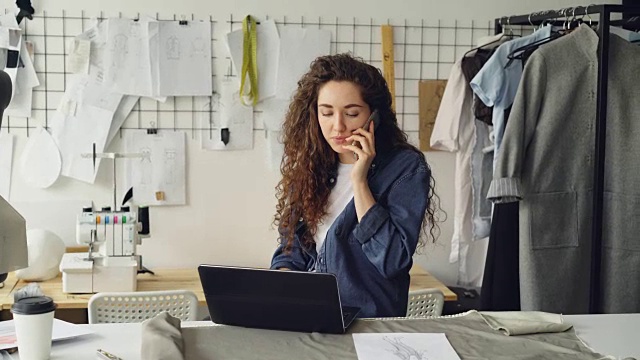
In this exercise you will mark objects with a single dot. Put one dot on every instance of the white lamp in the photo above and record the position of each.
(13, 239)
(13, 228)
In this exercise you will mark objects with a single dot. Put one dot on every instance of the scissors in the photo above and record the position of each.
(102, 354)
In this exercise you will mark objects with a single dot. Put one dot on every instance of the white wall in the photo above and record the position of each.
(231, 194)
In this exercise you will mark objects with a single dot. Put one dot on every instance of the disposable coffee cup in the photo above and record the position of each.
(33, 319)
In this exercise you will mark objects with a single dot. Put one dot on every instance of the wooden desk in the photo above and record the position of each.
(174, 279)
(421, 279)
(5, 292)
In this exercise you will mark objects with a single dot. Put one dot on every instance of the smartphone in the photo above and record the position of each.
(375, 117)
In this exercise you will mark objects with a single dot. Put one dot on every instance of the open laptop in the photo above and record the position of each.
(274, 299)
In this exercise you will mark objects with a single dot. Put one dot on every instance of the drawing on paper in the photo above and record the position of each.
(208, 116)
(161, 168)
(146, 167)
(404, 351)
(197, 48)
(120, 46)
(136, 37)
(120, 51)
(135, 29)
(170, 165)
(173, 48)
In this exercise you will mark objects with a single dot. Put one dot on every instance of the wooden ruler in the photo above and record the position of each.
(429, 95)
(387, 62)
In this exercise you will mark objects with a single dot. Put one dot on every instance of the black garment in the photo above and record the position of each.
(525, 56)
(501, 281)
(471, 65)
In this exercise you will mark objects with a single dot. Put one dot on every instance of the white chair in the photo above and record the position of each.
(135, 307)
(425, 303)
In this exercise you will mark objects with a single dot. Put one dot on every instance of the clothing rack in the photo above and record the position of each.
(604, 21)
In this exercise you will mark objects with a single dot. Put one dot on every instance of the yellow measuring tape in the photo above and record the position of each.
(249, 60)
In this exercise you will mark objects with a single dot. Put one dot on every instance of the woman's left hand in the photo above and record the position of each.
(365, 150)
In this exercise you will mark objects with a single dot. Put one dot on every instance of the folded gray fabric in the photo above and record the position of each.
(470, 336)
(524, 322)
(162, 338)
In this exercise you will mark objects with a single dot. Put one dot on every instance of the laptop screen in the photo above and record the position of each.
(272, 299)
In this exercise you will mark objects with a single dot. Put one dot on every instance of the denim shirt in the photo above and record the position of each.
(372, 258)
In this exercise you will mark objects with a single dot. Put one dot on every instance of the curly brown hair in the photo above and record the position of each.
(309, 161)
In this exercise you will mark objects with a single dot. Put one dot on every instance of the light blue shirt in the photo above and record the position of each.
(496, 85)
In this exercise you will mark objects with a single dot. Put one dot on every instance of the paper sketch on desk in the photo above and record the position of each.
(161, 170)
(61, 330)
(268, 50)
(232, 115)
(79, 56)
(403, 346)
(130, 63)
(298, 48)
(40, 161)
(185, 58)
(6, 159)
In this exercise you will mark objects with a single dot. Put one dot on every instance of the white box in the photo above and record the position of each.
(115, 274)
(77, 274)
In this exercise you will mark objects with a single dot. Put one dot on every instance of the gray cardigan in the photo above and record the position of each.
(546, 161)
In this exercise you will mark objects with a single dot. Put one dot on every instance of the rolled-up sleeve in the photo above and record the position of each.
(523, 119)
(296, 259)
(447, 124)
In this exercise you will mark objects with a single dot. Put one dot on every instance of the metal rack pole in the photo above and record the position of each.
(605, 12)
(598, 165)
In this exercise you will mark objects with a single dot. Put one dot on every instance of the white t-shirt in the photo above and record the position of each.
(340, 196)
(454, 131)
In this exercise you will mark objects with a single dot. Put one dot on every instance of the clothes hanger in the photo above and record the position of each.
(519, 53)
(592, 25)
(503, 35)
(632, 23)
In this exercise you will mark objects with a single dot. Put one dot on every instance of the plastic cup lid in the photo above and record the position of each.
(33, 305)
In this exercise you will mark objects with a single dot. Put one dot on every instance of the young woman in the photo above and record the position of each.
(352, 201)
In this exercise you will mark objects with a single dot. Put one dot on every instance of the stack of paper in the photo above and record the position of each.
(159, 58)
(87, 109)
(61, 330)
(115, 62)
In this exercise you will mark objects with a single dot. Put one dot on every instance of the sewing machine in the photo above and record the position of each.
(111, 264)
